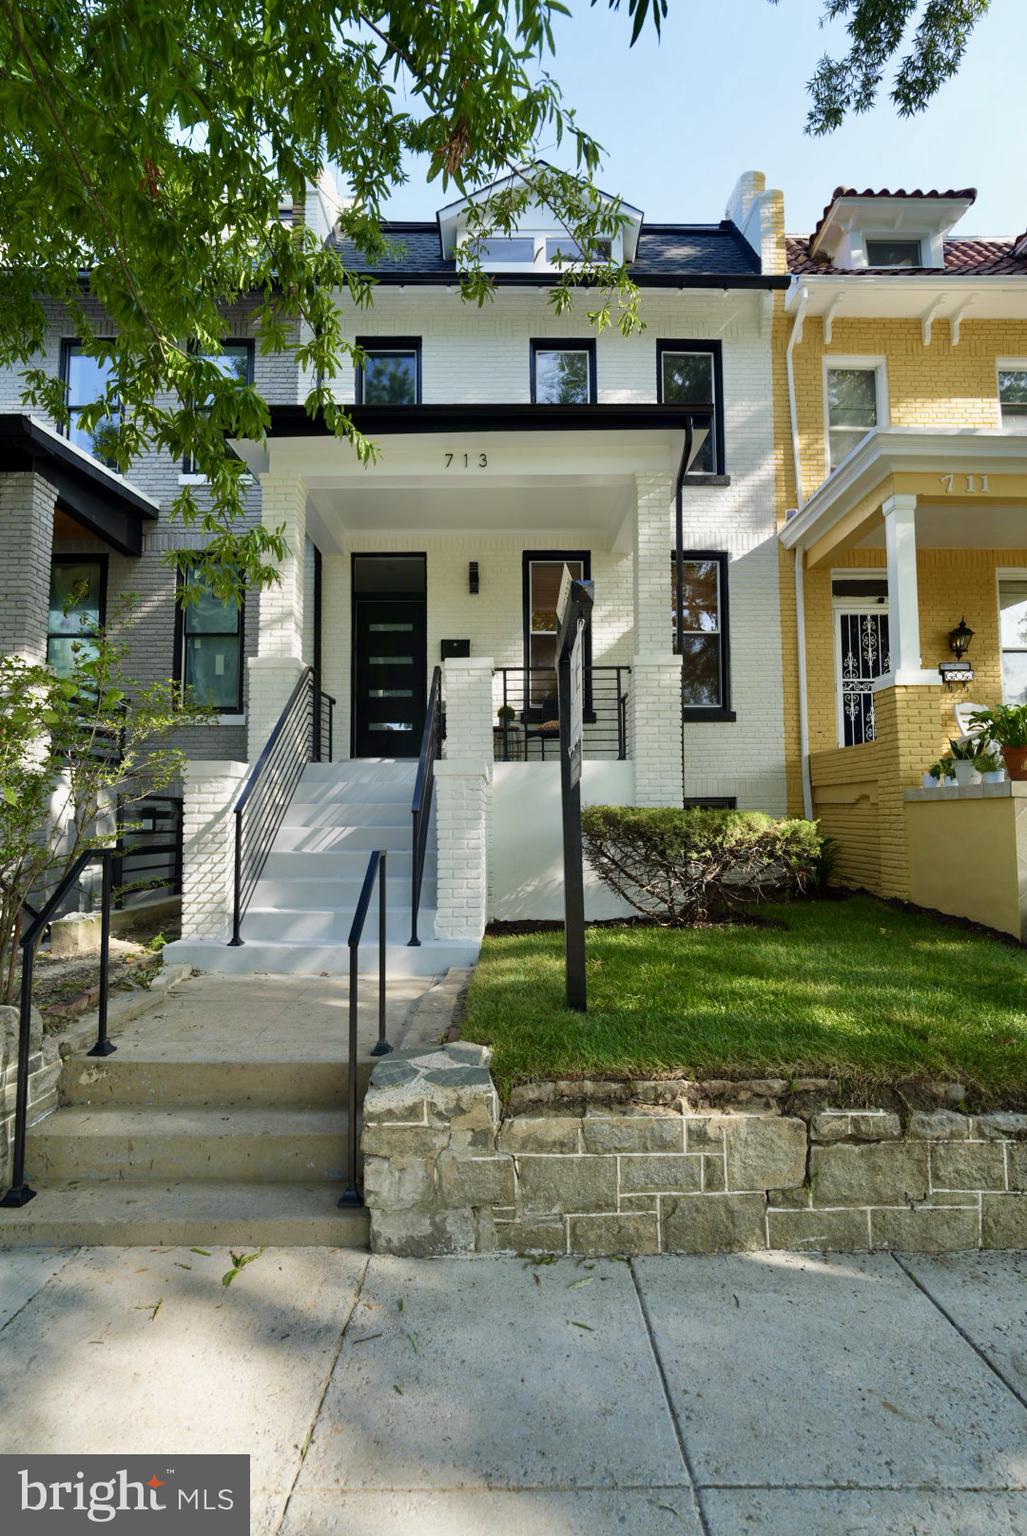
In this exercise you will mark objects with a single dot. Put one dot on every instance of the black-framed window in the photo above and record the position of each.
(704, 642)
(85, 381)
(542, 573)
(563, 372)
(891, 251)
(235, 360)
(78, 608)
(692, 373)
(391, 371)
(209, 651)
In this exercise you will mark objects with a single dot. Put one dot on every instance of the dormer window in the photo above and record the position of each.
(508, 248)
(886, 251)
(561, 249)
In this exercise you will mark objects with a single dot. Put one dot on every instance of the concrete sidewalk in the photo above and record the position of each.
(766, 1393)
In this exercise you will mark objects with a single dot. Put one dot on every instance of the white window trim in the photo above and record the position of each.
(1005, 573)
(1006, 364)
(923, 240)
(539, 263)
(850, 605)
(875, 364)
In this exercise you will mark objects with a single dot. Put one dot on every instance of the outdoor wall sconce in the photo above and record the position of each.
(473, 582)
(959, 671)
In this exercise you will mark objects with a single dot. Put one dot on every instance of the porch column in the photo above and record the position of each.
(208, 846)
(279, 659)
(26, 548)
(654, 697)
(461, 794)
(899, 514)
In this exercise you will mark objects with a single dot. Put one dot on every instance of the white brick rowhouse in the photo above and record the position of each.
(477, 477)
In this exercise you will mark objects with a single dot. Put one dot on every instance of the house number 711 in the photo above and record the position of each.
(975, 484)
(482, 460)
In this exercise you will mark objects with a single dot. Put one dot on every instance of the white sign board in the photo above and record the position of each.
(577, 707)
(564, 595)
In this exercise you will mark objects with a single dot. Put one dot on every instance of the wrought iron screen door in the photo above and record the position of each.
(861, 656)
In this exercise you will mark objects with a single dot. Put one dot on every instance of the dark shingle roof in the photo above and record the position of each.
(665, 251)
(965, 257)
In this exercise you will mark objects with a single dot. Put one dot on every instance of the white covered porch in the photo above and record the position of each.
(448, 540)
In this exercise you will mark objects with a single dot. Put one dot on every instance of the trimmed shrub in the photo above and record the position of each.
(687, 866)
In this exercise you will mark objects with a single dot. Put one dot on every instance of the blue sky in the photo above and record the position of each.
(725, 91)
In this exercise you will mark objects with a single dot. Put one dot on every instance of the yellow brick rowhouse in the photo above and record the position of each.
(900, 409)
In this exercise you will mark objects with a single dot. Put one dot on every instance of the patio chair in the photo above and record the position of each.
(963, 711)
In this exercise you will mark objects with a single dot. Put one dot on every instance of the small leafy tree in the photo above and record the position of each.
(68, 747)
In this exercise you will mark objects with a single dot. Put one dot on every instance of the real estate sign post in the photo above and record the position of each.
(574, 610)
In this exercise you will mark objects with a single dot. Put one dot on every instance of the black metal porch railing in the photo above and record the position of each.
(424, 788)
(20, 1191)
(352, 1195)
(527, 727)
(303, 732)
(324, 716)
(148, 858)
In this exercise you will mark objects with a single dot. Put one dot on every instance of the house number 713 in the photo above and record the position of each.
(482, 461)
(974, 484)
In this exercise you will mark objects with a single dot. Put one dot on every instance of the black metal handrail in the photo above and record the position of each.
(424, 788)
(271, 783)
(527, 713)
(352, 1195)
(20, 1192)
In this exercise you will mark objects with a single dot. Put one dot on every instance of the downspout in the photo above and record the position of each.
(800, 555)
(679, 572)
(800, 623)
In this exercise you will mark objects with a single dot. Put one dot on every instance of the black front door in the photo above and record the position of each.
(390, 653)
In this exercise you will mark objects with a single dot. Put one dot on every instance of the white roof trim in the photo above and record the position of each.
(896, 450)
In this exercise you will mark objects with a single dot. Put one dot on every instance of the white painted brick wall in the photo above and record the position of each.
(461, 811)
(475, 355)
(467, 689)
(208, 847)
(654, 707)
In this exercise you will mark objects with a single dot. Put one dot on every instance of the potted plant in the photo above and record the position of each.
(946, 776)
(506, 714)
(988, 763)
(931, 779)
(963, 754)
(1006, 727)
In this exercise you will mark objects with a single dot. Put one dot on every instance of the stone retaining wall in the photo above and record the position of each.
(673, 1167)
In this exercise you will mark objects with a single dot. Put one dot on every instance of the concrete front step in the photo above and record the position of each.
(432, 958)
(340, 839)
(310, 925)
(349, 813)
(254, 1146)
(336, 865)
(371, 770)
(125, 1080)
(340, 895)
(174, 1214)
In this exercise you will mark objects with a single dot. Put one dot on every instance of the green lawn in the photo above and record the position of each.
(852, 988)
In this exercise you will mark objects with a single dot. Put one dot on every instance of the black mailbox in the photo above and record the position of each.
(454, 649)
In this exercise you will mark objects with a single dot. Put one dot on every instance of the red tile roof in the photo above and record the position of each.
(966, 256)
(967, 194)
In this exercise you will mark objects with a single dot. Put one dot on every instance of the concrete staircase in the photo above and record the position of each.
(151, 1151)
(300, 914)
